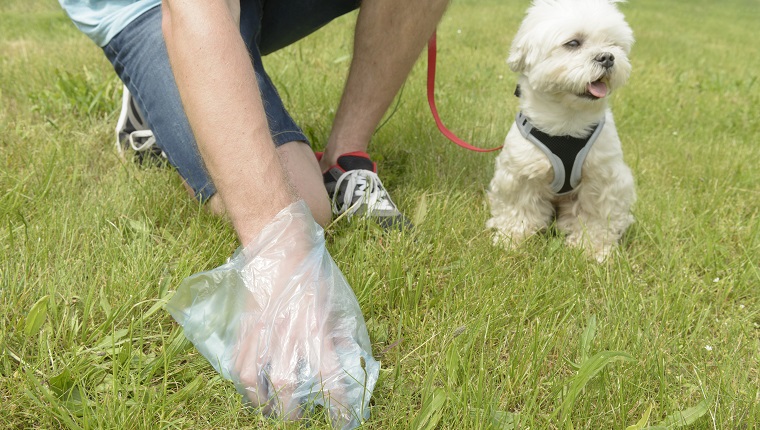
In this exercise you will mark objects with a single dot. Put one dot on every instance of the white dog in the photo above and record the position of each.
(563, 153)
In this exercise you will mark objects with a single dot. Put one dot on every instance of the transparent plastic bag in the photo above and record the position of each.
(280, 321)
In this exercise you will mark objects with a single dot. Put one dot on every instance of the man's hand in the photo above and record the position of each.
(281, 322)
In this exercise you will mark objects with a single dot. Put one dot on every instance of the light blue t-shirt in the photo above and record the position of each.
(101, 20)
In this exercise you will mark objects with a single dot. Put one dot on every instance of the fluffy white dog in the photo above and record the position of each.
(563, 154)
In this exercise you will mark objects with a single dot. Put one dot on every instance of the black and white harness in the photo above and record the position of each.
(566, 153)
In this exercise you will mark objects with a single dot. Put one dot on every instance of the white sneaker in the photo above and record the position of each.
(355, 189)
(132, 131)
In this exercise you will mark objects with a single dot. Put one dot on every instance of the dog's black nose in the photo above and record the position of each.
(605, 59)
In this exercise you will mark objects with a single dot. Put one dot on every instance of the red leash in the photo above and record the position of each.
(431, 101)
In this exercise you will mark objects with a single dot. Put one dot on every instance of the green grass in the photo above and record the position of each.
(667, 333)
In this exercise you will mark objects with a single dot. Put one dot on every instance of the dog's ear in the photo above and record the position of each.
(516, 60)
(522, 56)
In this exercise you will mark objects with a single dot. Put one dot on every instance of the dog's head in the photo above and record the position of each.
(573, 49)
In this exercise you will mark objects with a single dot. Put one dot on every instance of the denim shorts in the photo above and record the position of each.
(139, 57)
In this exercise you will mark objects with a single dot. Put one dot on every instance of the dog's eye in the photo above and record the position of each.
(575, 43)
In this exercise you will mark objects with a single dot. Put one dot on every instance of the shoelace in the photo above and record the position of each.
(141, 131)
(139, 146)
(367, 186)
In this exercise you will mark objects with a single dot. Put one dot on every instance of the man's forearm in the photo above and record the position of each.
(221, 98)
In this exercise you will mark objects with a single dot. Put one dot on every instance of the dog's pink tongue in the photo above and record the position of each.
(597, 89)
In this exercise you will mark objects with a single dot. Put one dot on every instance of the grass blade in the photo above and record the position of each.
(432, 410)
(643, 421)
(587, 338)
(36, 316)
(588, 370)
(683, 418)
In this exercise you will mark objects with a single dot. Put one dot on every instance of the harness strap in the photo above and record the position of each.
(565, 153)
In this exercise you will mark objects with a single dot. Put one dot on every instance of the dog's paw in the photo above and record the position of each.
(598, 250)
(509, 239)
(600, 254)
(505, 241)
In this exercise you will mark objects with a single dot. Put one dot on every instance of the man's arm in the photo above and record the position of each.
(221, 98)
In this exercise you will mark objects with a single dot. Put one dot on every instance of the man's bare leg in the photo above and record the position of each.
(389, 37)
(303, 173)
(302, 170)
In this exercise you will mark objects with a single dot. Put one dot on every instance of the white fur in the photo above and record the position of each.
(553, 79)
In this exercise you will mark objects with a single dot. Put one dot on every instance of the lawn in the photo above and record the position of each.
(665, 334)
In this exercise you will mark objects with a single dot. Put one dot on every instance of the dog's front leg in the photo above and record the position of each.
(601, 212)
(520, 200)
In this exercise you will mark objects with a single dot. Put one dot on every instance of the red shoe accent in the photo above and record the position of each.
(360, 154)
(319, 155)
(356, 154)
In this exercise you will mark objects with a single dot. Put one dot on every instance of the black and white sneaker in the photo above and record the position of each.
(132, 131)
(355, 189)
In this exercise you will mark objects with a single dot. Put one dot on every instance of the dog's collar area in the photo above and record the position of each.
(566, 153)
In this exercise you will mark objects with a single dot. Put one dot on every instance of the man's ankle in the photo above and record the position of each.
(333, 152)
